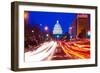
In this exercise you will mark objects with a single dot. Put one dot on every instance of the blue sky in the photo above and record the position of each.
(49, 19)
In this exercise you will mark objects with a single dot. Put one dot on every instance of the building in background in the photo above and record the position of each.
(81, 26)
(57, 31)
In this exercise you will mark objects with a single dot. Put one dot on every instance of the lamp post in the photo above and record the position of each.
(70, 32)
(47, 35)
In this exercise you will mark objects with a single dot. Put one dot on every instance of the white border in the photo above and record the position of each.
(23, 8)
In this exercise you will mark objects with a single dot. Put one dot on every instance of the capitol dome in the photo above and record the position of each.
(57, 28)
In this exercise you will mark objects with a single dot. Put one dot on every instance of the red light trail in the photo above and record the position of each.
(68, 50)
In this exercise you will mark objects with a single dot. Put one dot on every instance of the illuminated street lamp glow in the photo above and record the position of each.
(88, 33)
(40, 24)
(33, 31)
(47, 35)
(57, 36)
(70, 30)
(46, 28)
(26, 15)
(70, 27)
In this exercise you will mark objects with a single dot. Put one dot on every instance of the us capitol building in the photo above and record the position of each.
(57, 31)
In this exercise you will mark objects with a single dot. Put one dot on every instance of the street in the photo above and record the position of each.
(60, 50)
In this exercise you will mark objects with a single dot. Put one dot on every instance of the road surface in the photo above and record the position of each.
(60, 50)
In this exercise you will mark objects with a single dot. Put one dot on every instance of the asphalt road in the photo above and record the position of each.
(60, 50)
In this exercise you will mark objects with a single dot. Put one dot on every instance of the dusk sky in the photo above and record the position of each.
(49, 19)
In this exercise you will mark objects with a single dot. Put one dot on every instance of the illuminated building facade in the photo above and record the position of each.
(81, 26)
(57, 31)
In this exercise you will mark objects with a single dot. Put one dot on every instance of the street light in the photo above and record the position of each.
(26, 15)
(32, 31)
(88, 34)
(47, 35)
(46, 28)
(57, 36)
(40, 24)
(70, 32)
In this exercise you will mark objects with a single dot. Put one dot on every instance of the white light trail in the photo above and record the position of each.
(41, 54)
(41, 48)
